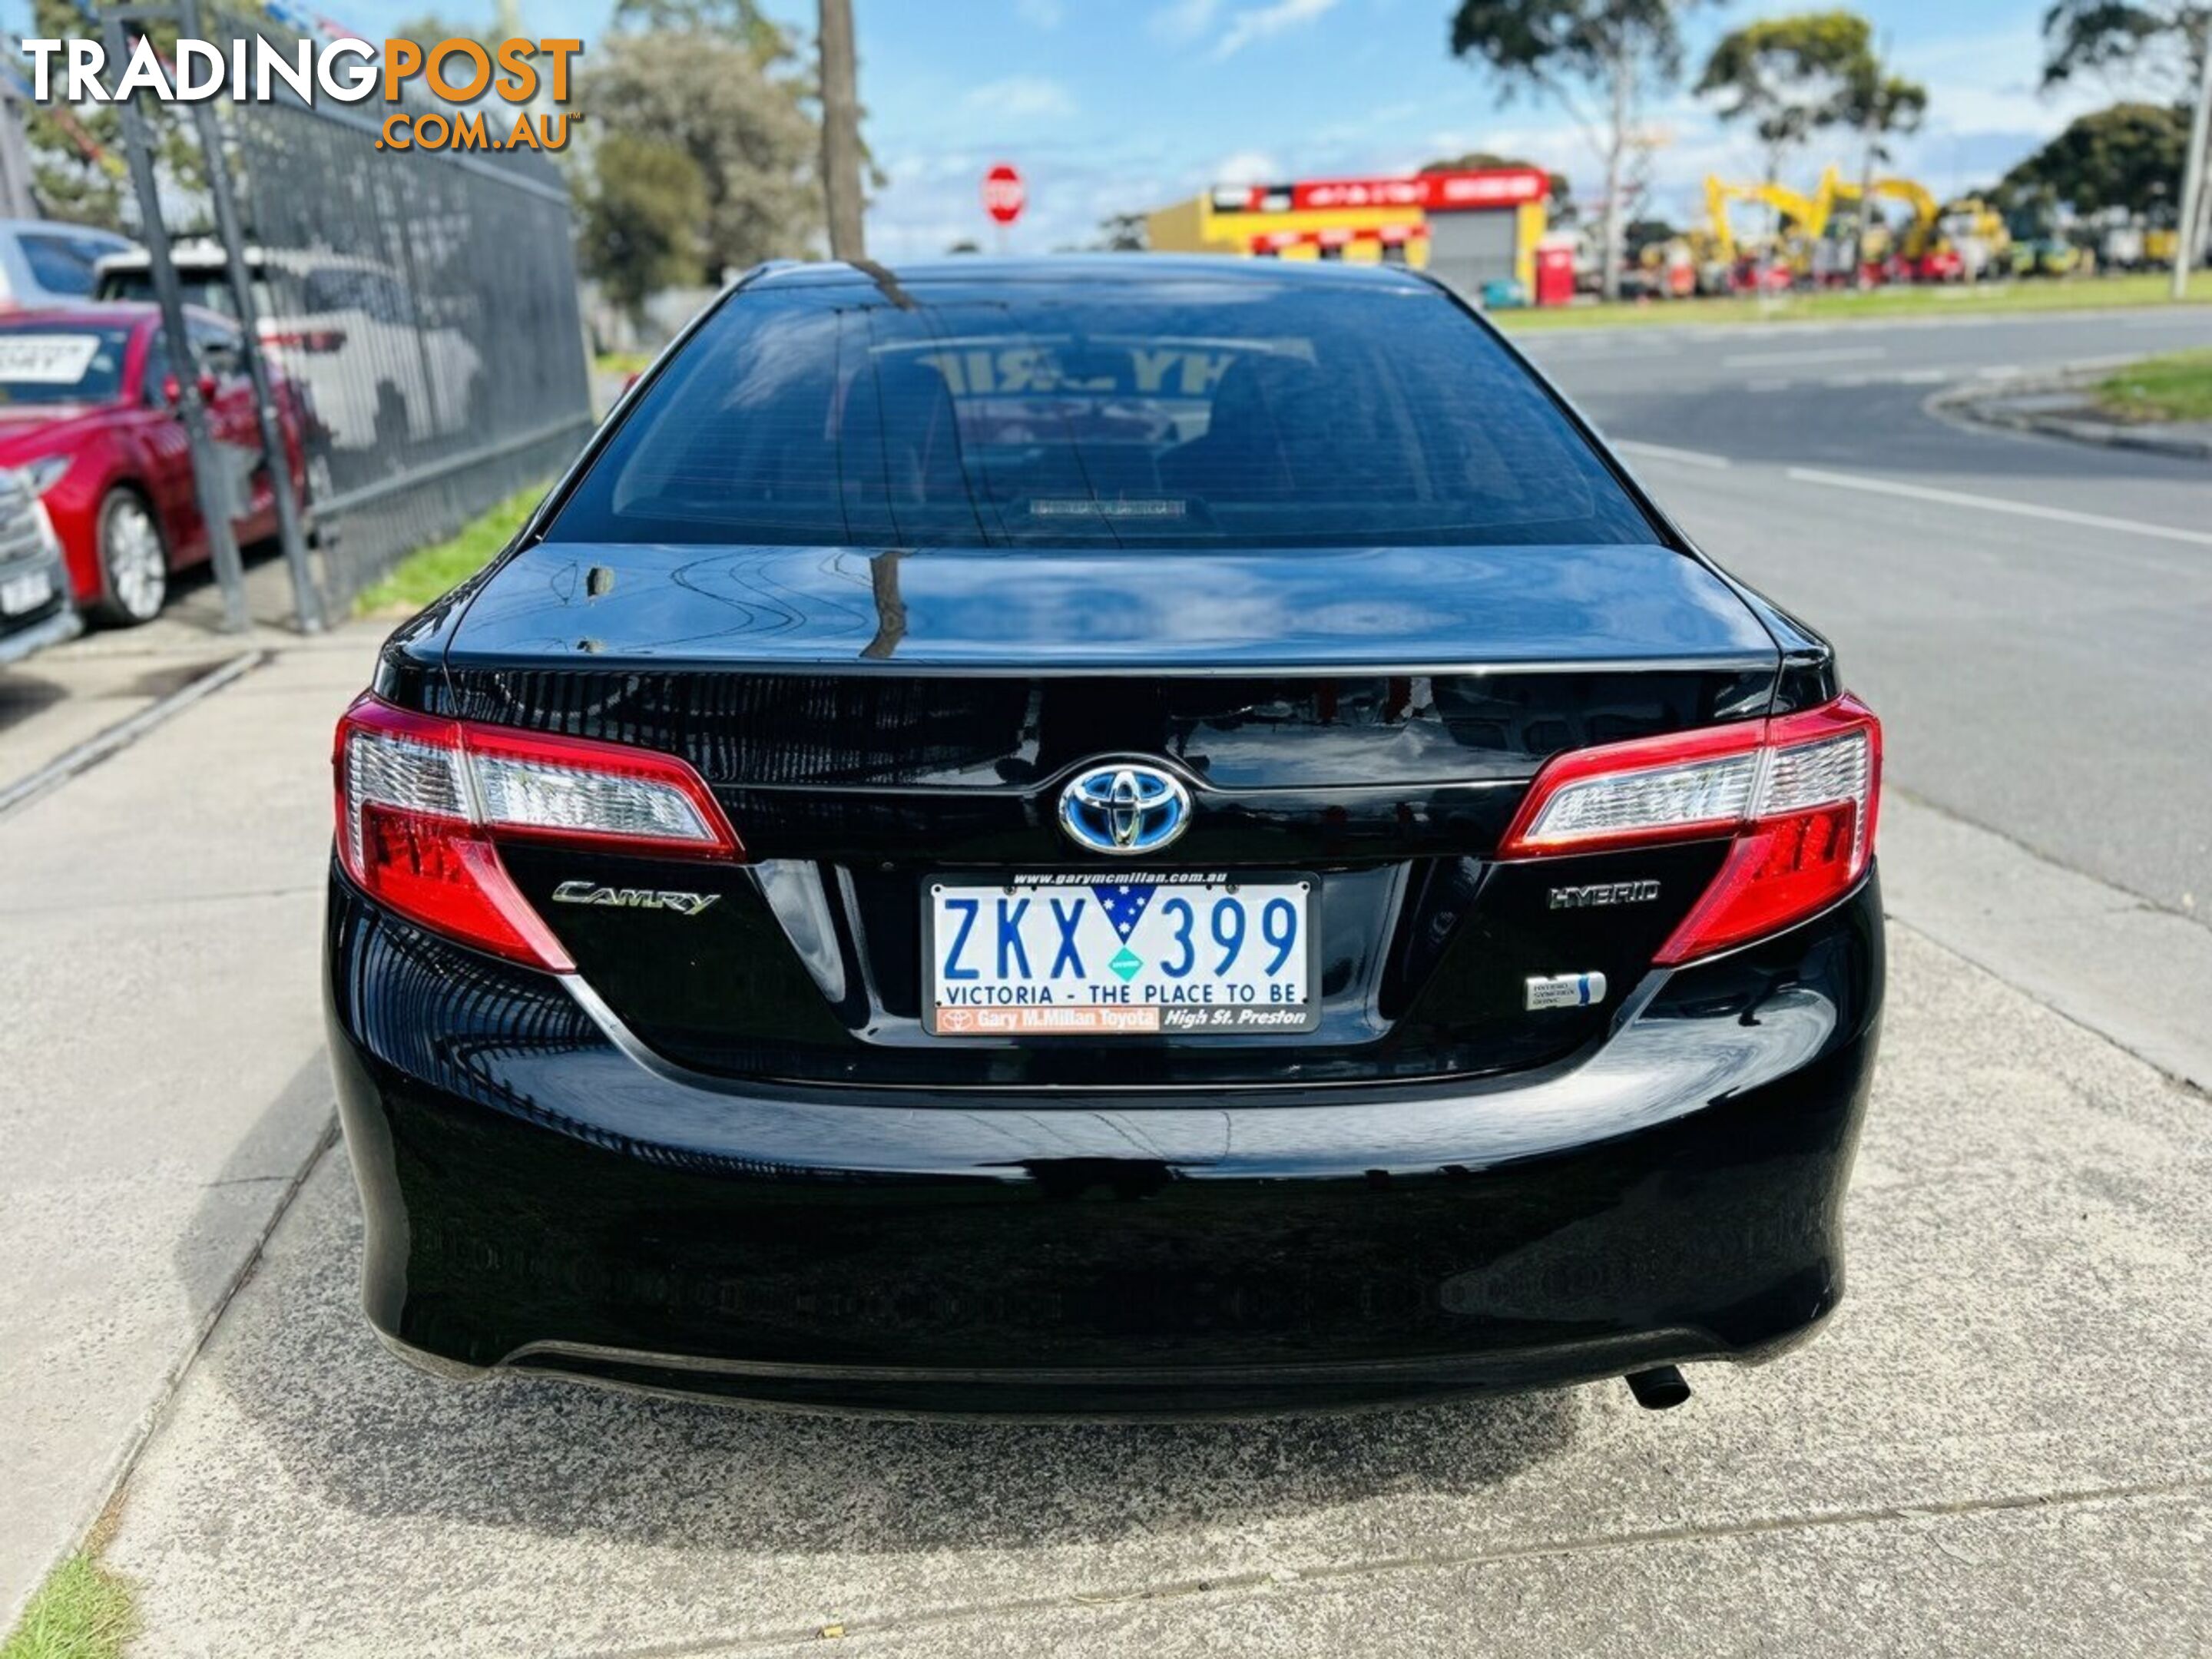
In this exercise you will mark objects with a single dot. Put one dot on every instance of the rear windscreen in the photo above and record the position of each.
(61, 363)
(1192, 412)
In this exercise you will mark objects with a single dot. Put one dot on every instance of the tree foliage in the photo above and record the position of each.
(1123, 233)
(1554, 44)
(1880, 104)
(2127, 156)
(741, 119)
(78, 169)
(740, 21)
(2157, 45)
(641, 218)
(1792, 78)
(1601, 60)
(1788, 78)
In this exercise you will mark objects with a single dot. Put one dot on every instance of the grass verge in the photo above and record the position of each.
(1876, 305)
(2174, 388)
(427, 572)
(81, 1612)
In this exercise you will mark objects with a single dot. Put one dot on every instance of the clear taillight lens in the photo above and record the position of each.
(1799, 795)
(1697, 797)
(422, 803)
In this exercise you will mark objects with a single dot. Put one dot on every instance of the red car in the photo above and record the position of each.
(87, 415)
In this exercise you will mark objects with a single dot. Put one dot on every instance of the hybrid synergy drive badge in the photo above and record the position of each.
(1565, 990)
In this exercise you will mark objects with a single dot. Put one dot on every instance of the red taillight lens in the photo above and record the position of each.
(313, 339)
(422, 803)
(1799, 794)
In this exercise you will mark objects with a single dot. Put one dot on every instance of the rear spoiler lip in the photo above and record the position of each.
(1156, 667)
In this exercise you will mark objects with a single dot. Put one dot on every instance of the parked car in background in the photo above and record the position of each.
(45, 262)
(378, 373)
(34, 590)
(88, 418)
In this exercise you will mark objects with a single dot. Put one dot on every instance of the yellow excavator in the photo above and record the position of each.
(1918, 246)
(1765, 264)
(1941, 243)
(1808, 217)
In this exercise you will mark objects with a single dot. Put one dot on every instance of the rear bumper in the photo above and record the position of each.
(540, 1195)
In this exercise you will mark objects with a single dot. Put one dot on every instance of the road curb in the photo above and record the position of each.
(1982, 403)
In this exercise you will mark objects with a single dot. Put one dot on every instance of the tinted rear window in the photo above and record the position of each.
(1199, 413)
(61, 362)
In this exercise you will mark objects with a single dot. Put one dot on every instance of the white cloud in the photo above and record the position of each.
(1183, 20)
(1021, 98)
(1247, 166)
(1040, 13)
(1262, 23)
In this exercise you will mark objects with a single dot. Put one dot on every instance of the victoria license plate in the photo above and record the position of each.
(1119, 954)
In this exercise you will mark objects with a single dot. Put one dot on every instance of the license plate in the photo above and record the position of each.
(26, 593)
(1115, 955)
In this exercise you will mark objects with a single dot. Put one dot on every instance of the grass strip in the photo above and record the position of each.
(425, 573)
(1874, 305)
(2172, 388)
(83, 1611)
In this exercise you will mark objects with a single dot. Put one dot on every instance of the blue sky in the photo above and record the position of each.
(1113, 104)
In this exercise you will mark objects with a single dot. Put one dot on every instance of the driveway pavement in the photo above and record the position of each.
(2004, 1442)
(161, 1075)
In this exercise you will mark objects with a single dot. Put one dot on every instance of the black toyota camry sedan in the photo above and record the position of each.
(1101, 837)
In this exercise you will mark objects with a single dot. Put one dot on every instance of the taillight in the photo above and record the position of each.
(310, 339)
(1798, 794)
(423, 803)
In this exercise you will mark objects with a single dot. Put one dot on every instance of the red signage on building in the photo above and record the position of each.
(1434, 192)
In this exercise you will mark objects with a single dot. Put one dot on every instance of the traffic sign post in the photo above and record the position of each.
(1005, 196)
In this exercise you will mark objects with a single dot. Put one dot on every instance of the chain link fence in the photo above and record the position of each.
(426, 301)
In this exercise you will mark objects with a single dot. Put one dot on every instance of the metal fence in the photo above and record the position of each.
(426, 301)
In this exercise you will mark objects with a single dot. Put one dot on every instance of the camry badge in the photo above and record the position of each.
(1124, 808)
(633, 898)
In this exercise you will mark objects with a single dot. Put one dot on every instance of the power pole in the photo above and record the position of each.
(16, 199)
(2193, 182)
(291, 533)
(840, 131)
(210, 484)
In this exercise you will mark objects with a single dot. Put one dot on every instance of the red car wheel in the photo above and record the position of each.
(134, 565)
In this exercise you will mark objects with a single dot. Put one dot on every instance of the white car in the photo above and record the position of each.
(34, 591)
(46, 262)
(348, 327)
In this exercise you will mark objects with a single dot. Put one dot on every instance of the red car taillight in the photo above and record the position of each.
(423, 802)
(312, 339)
(1798, 793)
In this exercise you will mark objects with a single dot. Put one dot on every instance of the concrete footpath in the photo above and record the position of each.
(161, 1050)
(2003, 1445)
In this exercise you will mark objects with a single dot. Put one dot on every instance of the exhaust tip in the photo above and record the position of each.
(1660, 1389)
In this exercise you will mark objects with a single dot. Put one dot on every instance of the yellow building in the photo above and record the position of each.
(1470, 228)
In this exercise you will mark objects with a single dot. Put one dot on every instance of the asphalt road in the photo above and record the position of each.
(2030, 616)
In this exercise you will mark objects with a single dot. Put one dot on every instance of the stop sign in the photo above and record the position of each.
(1004, 194)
